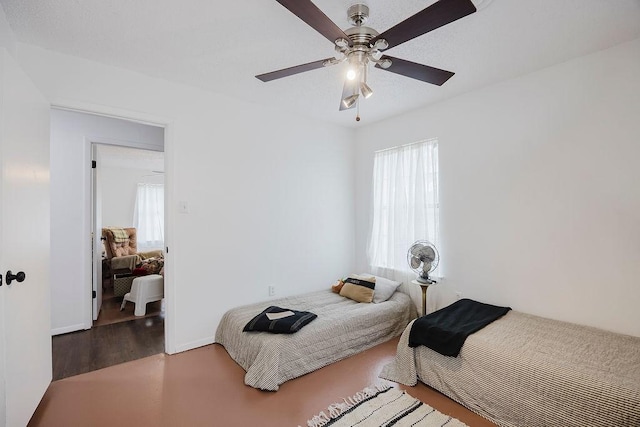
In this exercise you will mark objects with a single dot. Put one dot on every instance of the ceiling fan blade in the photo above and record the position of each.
(435, 16)
(416, 71)
(285, 72)
(315, 18)
(347, 90)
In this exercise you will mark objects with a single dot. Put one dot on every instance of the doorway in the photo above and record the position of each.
(97, 165)
(127, 198)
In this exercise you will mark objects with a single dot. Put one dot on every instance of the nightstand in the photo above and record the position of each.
(424, 287)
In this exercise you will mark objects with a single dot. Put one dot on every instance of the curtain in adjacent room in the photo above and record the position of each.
(405, 206)
(148, 216)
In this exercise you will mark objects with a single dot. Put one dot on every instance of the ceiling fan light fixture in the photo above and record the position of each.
(385, 63)
(375, 55)
(356, 61)
(381, 44)
(365, 90)
(340, 53)
(341, 43)
(350, 100)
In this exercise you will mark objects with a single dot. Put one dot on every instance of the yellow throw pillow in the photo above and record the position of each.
(359, 288)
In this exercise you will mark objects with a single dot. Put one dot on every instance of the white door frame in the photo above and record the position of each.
(169, 200)
(95, 230)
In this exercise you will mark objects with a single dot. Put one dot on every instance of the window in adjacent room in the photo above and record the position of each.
(148, 217)
(405, 202)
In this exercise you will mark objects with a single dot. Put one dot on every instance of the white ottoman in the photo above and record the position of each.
(143, 290)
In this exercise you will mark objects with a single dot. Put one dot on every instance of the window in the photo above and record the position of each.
(148, 216)
(405, 203)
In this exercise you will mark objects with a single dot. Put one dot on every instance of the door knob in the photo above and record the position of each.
(18, 277)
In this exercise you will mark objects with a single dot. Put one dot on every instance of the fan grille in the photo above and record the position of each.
(423, 258)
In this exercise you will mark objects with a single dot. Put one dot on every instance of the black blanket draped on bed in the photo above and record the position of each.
(445, 330)
(292, 322)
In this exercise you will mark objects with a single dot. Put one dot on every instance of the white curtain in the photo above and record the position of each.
(405, 206)
(148, 216)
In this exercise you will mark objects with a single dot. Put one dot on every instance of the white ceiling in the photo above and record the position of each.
(222, 44)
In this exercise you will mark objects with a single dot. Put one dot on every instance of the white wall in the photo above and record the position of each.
(71, 137)
(119, 189)
(7, 38)
(271, 195)
(540, 200)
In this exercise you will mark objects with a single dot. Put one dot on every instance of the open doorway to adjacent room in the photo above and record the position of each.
(108, 247)
(128, 217)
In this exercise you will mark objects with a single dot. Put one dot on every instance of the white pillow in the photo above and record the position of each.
(384, 288)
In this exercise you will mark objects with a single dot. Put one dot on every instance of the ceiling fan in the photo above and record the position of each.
(360, 45)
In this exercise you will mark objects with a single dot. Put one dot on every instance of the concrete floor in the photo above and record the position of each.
(205, 387)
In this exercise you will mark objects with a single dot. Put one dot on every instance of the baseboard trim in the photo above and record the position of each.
(67, 329)
(195, 344)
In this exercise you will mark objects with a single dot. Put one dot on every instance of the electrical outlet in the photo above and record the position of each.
(272, 290)
(458, 295)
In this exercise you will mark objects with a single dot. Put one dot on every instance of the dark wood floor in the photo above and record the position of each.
(85, 351)
(110, 310)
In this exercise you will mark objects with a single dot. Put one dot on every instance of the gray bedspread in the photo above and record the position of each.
(343, 328)
(528, 371)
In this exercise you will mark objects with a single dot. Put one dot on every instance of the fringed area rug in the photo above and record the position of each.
(382, 406)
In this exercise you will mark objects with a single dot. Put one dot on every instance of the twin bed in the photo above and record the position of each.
(524, 370)
(520, 370)
(343, 328)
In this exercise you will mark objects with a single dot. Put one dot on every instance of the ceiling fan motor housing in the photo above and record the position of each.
(361, 51)
(361, 35)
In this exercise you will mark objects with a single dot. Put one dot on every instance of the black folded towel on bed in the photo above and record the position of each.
(445, 330)
(292, 321)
